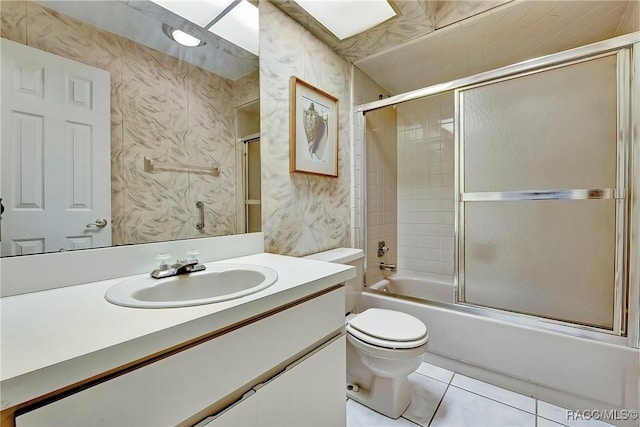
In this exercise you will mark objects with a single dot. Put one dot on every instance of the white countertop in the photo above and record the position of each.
(55, 338)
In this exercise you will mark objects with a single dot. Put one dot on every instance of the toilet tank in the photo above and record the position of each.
(348, 256)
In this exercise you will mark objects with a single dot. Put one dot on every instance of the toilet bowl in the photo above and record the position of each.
(383, 346)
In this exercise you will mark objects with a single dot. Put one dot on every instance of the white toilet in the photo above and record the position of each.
(383, 346)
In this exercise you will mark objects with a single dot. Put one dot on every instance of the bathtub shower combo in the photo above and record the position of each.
(508, 201)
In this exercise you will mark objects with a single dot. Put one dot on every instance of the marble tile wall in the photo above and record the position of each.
(301, 213)
(161, 108)
(247, 89)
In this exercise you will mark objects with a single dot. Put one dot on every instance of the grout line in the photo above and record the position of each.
(497, 401)
(439, 403)
(433, 378)
(411, 421)
(553, 421)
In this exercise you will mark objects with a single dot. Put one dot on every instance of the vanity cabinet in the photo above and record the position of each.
(290, 364)
(302, 395)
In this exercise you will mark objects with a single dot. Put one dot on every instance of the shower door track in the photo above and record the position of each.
(526, 320)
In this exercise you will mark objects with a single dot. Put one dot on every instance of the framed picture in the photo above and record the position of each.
(313, 128)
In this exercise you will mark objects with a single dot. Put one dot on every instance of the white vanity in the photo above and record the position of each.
(275, 357)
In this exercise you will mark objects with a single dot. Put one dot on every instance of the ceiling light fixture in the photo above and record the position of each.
(348, 17)
(181, 37)
(233, 20)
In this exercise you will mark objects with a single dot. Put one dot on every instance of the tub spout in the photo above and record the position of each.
(387, 267)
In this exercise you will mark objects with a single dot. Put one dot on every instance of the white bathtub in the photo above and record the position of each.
(419, 286)
(565, 370)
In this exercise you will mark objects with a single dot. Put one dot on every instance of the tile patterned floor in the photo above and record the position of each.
(441, 398)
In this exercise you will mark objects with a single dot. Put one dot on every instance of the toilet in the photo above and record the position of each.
(383, 346)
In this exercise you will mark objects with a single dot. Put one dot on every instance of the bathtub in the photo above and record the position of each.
(419, 286)
(565, 370)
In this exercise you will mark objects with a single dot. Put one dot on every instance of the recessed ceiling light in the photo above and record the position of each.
(347, 18)
(234, 20)
(181, 37)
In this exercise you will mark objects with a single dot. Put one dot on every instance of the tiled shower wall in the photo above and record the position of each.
(381, 206)
(365, 89)
(380, 169)
(161, 107)
(425, 185)
(409, 165)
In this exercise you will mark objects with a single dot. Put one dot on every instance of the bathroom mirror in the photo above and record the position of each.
(178, 120)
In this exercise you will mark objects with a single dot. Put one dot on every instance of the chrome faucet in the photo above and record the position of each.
(387, 267)
(182, 266)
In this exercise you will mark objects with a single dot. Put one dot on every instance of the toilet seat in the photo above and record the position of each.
(388, 329)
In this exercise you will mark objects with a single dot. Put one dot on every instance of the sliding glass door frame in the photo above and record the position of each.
(619, 193)
(631, 247)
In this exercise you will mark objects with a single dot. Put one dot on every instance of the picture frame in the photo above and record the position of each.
(313, 129)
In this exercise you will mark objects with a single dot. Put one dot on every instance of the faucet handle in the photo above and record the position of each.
(191, 257)
(382, 248)
(162, 261)
(192, 253)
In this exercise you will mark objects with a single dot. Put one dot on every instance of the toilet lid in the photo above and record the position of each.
(388, 328)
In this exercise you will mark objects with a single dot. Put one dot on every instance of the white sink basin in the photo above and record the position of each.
(219, 282)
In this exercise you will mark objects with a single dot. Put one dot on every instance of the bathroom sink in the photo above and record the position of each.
(219, 282)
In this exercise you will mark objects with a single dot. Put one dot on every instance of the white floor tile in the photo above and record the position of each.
(543, 422)
(502, 395)
(436, 372)
(562, 415)
(426, 394)
(361, 416)
(462, 408)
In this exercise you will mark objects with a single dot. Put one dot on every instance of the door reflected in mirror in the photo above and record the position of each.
(91, 90)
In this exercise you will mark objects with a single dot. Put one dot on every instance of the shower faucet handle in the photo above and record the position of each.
(382, 249)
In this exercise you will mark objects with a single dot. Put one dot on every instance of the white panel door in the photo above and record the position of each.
(56, 156)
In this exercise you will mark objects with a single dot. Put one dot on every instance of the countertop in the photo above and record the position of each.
(54, 338)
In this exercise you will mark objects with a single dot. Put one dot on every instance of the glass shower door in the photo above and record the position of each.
(541, 179)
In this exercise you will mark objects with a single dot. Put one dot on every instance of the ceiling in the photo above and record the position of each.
(414, 18)
(442, 40)
(141, 21)
(429, 42)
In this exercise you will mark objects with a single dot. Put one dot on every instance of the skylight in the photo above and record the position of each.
(240, 26)
(233, 20)
(346, 18)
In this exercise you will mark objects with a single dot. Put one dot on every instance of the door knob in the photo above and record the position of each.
(99, 223)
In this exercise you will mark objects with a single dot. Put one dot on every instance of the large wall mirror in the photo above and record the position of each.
(115, 134)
